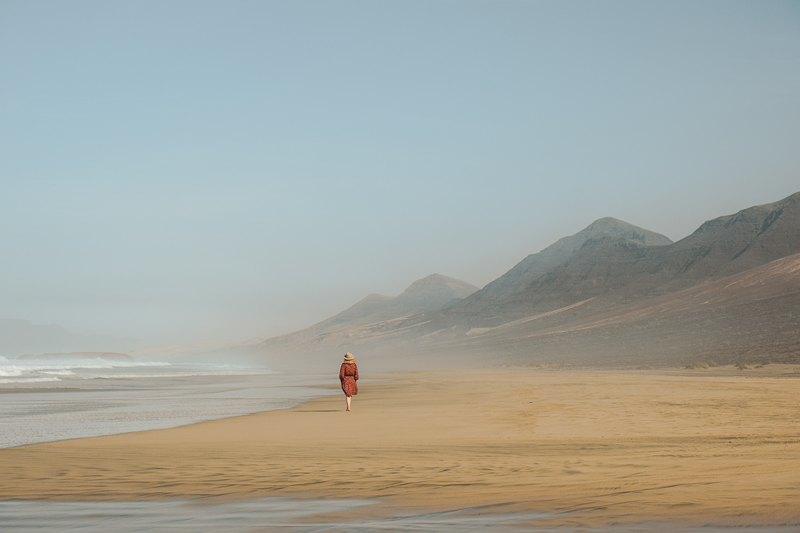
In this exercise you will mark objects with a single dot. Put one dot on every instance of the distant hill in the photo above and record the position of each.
(426, 294)
(19, 337)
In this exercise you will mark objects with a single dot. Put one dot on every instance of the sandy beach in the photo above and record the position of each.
(708, 446)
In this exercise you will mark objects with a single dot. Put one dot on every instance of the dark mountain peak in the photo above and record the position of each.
(606, 223)
(609, 226)
(609, 241)
(562, 249)
(436, 283)
(431, 293)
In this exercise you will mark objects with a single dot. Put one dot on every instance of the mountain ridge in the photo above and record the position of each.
(425, 294)
(604, 273)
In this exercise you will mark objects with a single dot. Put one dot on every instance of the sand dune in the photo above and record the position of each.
(717, 445)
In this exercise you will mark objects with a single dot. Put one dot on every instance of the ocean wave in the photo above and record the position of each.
(42, 370)
(28, 380)
(179, 375)
(78, 363)
(95, 368)
(58, 372)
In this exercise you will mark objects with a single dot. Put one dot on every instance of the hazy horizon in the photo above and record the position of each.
(192, 170)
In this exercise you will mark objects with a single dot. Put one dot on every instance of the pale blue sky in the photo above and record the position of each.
(174, 170)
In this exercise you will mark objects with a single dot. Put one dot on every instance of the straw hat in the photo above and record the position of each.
(348, 358)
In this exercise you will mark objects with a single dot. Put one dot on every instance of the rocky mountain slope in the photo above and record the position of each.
(616, 270)
(752, 317)
(493, 296)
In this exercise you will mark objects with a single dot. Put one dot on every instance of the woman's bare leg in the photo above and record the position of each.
(348, 401)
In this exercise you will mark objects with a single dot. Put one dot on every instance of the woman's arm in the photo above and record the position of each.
(356, 369)
(341, 372)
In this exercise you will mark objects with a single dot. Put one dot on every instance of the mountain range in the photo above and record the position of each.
(612, 293)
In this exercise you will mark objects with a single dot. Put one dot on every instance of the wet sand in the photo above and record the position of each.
(709, 446)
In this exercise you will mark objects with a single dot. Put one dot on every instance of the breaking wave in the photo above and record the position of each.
(42, 370)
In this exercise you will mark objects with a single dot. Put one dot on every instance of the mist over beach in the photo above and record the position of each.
(560, 241)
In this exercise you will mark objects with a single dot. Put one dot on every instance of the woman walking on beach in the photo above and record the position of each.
(348, 375)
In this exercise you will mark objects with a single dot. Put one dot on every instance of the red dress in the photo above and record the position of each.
(348, 375)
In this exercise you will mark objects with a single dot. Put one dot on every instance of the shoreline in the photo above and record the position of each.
(593, 447)
(105, 406)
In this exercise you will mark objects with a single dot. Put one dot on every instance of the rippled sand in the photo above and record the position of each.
(715, 446)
